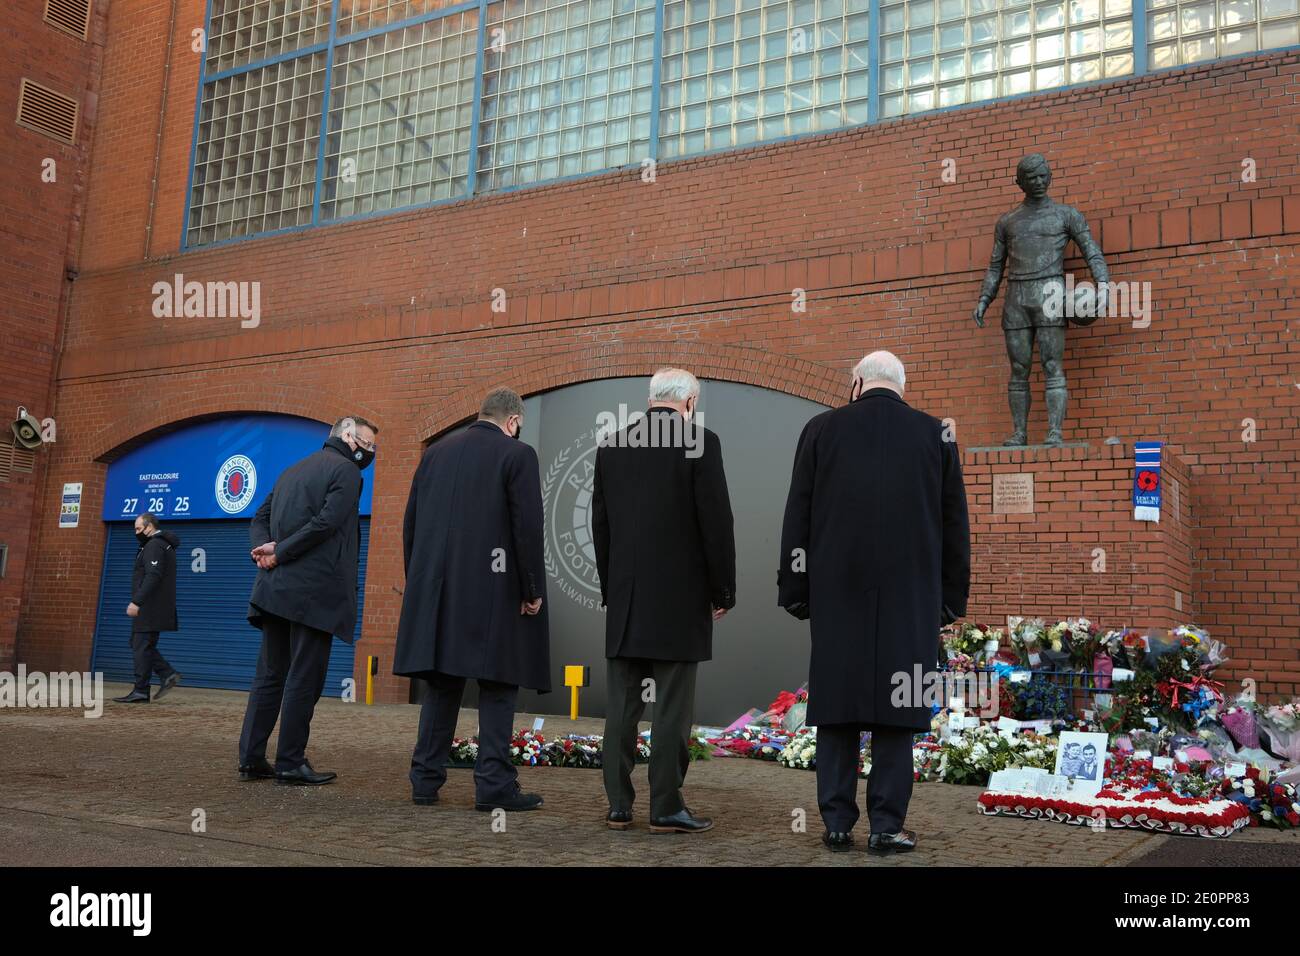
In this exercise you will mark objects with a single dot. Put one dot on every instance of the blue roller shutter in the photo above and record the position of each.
(215, 646)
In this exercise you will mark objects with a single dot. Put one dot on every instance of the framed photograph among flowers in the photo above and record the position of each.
(1081, 761)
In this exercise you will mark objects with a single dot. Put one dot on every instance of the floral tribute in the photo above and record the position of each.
(1165, 813)
(531, 749)
(1269, 802)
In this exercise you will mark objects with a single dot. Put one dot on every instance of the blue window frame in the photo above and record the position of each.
(317, 111)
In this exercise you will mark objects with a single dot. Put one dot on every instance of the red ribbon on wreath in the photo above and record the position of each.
(1193, 686)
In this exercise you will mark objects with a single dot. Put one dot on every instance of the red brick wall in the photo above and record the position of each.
(1079, 552)
(611, 275)
(38, 226)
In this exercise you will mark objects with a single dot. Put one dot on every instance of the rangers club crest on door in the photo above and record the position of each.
(236, 484)
(566, 493)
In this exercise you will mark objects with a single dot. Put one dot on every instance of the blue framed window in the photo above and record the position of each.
(317, 111)
(1191, 31)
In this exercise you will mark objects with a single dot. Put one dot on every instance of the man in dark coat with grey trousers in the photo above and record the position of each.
(666, 555)
(875, 549)
(306, 539)
(473, 604)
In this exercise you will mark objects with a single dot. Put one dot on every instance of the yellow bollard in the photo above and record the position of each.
(372, 668)
(575, 676)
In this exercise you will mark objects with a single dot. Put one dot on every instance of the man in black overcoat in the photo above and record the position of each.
(306, 541)
(473, 604)
(666, 555)
(152, 609)
(875, 549)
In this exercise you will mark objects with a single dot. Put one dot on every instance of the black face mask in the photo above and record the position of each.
(142, 538)
(358, 456)
(362, 457)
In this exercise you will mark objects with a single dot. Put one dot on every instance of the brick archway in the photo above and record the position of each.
(164, 415)
(729, 363)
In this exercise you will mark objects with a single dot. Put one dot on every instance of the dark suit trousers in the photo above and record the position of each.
(288, 683)
(494, 774)
(889, 787)
(674, 700)
(144, 648)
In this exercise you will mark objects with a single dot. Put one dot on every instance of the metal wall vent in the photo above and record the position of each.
(45, 111)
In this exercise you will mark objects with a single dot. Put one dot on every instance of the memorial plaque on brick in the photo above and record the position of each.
(1013, 494)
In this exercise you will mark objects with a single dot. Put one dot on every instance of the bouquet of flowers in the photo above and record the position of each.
(1079, 638)
(1027, 636)
(575, 750)
(527, 749)
(761, 743)
(785, 701)
(1129, 706)
(925, 757)
(973, 756)
(787, 712)
(1040, 699)
(1271, 803)
(961, 664)
(1239, 721)
(464, 751)
(1127, 648)
(1188, 701)
(642, 754)
(800, 750)
(1282, 724)
(970, 640)
(1284, 716)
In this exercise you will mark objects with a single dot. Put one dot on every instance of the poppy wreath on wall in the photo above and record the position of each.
(1151, 810)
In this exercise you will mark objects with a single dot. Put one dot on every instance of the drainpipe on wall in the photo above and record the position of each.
(158, 139)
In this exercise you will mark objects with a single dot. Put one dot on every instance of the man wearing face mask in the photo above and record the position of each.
(152, 608)
(473, 604)
(875, 554)
(306, 541)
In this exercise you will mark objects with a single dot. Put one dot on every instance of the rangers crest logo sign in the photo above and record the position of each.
(236, 484)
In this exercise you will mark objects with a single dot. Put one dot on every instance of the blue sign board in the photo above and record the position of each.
(217, 469)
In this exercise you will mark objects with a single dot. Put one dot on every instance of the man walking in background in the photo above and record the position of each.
(875, 547)
(306, 544)
(473, 604)
(152, 608)
(666, 555)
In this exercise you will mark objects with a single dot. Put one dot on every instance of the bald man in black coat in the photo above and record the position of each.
(474, 600)
(875, 550)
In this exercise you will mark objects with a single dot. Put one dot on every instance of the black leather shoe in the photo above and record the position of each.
(618, 819)
(837, 842)
(424, 799)
(304, 776)
(515, 801)
(167, 685)
(680, 822)
(902, 842)
(259, 769)
(135, 697)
